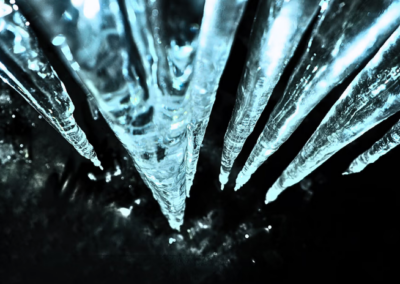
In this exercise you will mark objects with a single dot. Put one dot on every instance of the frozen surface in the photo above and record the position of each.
(277, 30)
(218, 28)
(373, 96)
(24, 67)
(347, 33)
(389, 141)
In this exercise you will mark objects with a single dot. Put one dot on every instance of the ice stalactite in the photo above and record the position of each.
(174, 34)
(277, 30)
(220, 21)
(136, 60)
(347, 33)
(389, 141)
(25, 68)
(373, 96)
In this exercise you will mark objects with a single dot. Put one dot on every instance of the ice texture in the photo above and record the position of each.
(389, 141)
(220, 21)
(347, 33)
(277, 30)
(373, 96)
(25, 68)
(135, 57)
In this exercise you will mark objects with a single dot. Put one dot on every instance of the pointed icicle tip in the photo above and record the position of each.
(269, 198)
(347, 172)
(273, 192)
(223, 178)
(97, 162)
(175, 227)
(240, 180)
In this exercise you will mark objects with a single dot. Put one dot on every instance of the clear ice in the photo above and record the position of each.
(135, 57)
(347, 33)
(220, 21)
(389, 141)
(277, 30)
(373, 96)
(25, 68)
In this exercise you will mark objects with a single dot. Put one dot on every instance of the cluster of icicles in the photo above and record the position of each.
(152, 68)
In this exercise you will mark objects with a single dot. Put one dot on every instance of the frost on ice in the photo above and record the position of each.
(24, 67)
(373, 96)
(218, 28)
(347, 33)
(278, 28)
(389, 141)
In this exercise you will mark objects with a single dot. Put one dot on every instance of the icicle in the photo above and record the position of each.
(175, 42)
(134, 83)
(373, 96)
(24, 67)
(339, 44)
(220, 21)
(389, 141)
(277, 30)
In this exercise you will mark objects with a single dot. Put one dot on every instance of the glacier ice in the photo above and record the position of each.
(277, 30)
(347, 33)
(25, 68)
(373, 96)
(220, 21)
(389, 141)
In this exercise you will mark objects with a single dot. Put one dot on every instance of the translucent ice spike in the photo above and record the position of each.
(347, 33)
(220, 21)
(148, 117)
(373, 96)
(174, 33)
(389, 141)
(277, 30)
(24, 67)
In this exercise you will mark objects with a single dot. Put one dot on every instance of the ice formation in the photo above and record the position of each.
(373, 96)
(152, 69)
(347, 33)
(278, 28)
(218, 28)
(389, 141)
(24, 67)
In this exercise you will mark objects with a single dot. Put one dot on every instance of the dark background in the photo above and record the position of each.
(59, 226)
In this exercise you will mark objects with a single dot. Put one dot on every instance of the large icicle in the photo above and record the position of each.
(277, 30)
(174, 33)
(347, 33)
(220, 21)
(140, 86)
(25, 68)
(373, 96)
(389, 141)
